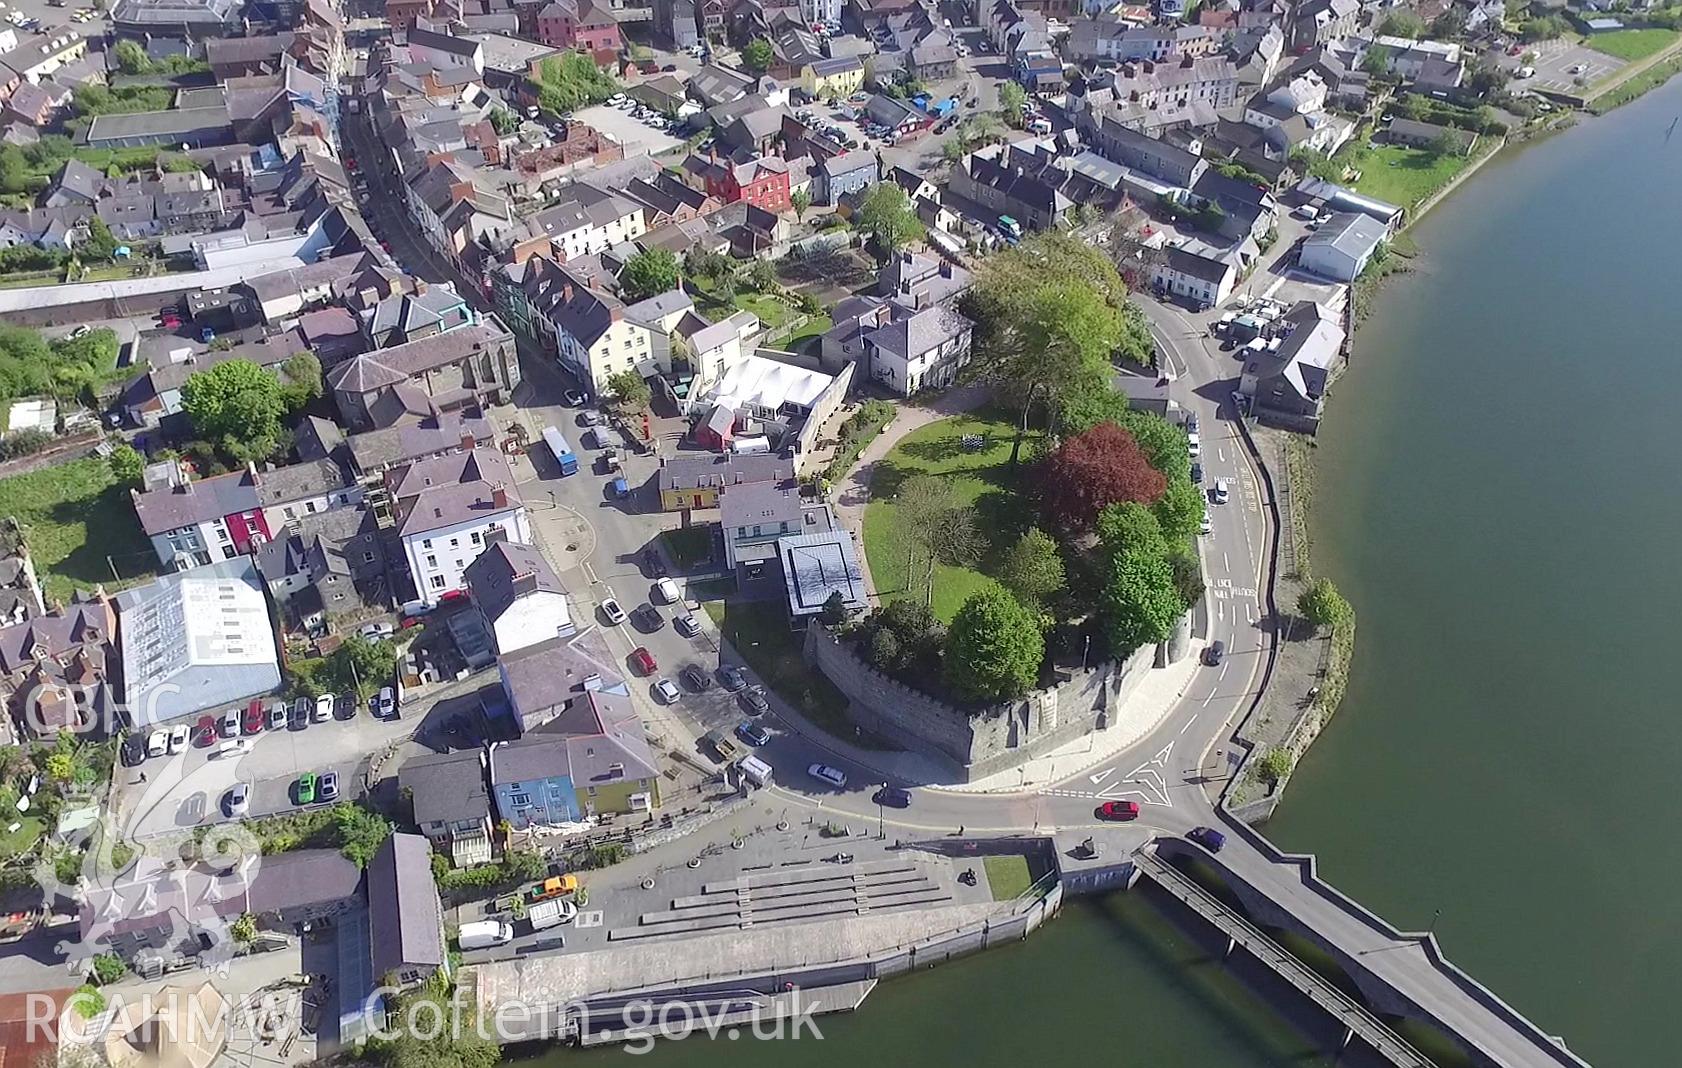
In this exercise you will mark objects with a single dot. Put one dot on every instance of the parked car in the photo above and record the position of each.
(133, 751)
(612, 612)
(255, 718)
(643, 661)
(277, 716)
(892, 797)
(752, 733)
(178, 738)
(204, 732)
(733, 678)
(228, 724)
(668, 691)
(687, 625)
(656, 566)
(323, 710)
(825, 774)
(157, 743)
(1208, 838)
(696, 678)
(304, 788)
(377, 630)
(1118, 810)
(1214, 653)
(384, 704)
(233, 747)
(237, 801)
(666, 591)
(649, 617)
(1207, 526)
(344, 706)
(1222, 490)
(753, 700)
(572, 398)
(328, 787)
(1197, 474)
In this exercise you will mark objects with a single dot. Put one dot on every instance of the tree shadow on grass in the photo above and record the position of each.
(940, 450)
(113, 536)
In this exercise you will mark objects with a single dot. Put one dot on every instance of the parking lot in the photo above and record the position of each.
(188, 789)
(635, 135)
(50, 16)
(1555, 61)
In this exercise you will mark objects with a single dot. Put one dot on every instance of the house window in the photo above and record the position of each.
(476, 538)
(455, 543)
(427, 544)
(432, 561)
(519, 799)
(437, 582)
(229, 552)
(309, 506)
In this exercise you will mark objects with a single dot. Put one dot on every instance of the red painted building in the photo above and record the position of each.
(762, 182)
(579, 24)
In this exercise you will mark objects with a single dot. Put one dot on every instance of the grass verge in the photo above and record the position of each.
(79, 525)
(1632, 45)
(689, 546)
(14, 843)
(1399, 174)
(1007, 877)
(759, 632)
(981, 479)
(1637, 85)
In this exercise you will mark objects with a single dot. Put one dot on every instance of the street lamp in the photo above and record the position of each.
(881, 819)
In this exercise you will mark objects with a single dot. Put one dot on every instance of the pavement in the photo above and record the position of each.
(635, 136)
(1554, 60)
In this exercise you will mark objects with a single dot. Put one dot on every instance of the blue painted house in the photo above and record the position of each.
(839, 176)
(531, 780)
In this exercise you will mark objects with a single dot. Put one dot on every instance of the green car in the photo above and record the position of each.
(306, 788)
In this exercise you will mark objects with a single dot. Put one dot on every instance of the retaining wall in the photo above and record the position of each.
(982, 743)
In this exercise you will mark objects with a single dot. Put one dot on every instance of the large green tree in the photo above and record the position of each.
(1322, 604)
(1032, 568)
(757, 56)
(936, 528)
(360, 666)
(1012, 99)
(1048, 318)
(888, 216)
(630, 391)
(238, 405)
(649, 273)
(994, 647)
(1140, 603)
(128, 467)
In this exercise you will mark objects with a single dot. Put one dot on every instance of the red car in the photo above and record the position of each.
(1118, 810)
(204, 732)
(643, 661)
(254, 718)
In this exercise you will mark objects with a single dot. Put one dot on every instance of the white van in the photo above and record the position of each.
(756, 771)
(483, 934)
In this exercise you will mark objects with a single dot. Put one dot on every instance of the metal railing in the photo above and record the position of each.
(1346, 1010)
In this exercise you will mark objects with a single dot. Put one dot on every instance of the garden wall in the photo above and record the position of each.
(989, 741)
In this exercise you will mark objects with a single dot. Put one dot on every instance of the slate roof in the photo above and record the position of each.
(446, 490)
(405, 920)
(446, 787)
(1203, 268)
(507, 571)
(387, 367)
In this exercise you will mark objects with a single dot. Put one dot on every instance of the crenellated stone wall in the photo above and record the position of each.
(977, 744)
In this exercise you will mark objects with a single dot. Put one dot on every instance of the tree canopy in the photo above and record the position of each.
(993, 648)
(567, 82)
(887, 215)
(1032, 568)
(630, 391)
(1048, 317)
(1322, 604)
(239, 406)
(937, 529)
(1100, 467)
(1012, 99)
(757, 56)
(649, 273)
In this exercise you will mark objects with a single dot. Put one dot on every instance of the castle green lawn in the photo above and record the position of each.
(74, 516)
(1007, 876)
(982, 479)
(1398, 174)
(1631, 45)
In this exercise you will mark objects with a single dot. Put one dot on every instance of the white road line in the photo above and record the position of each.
(1189, 722)
(1226, 561)
(1224, 666)
(1211, 697)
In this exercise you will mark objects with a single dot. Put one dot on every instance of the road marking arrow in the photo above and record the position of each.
(1102, 775)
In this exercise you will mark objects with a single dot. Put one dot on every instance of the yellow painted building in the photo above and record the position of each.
(833, 77)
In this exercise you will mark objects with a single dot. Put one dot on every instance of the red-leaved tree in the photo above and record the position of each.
(1101, 467)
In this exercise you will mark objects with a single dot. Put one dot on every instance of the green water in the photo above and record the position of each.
(1105, 982)
(1498, 496)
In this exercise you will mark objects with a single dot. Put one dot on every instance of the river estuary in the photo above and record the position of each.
(1499, 498)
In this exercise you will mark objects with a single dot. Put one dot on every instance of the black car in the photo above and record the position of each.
(651, 560)
(1215, 653)
(649, 618)
(892, 797)
(133, 751)
(1208, 838)
(695, 676)
(753, 701)
(733, 678)
(1197, 473)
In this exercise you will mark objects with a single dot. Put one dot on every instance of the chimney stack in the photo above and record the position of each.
(499, 496)
(420, 287)
(467, 442)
